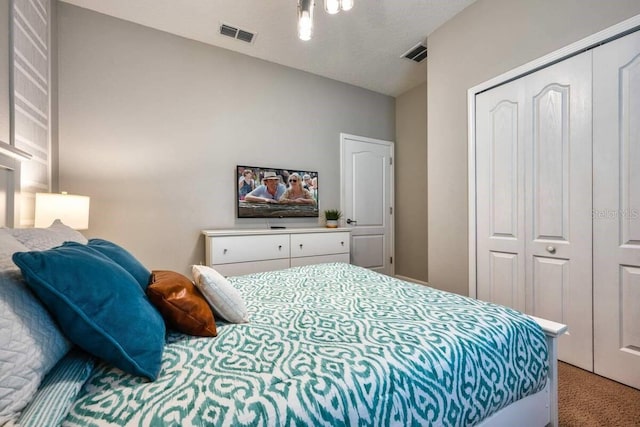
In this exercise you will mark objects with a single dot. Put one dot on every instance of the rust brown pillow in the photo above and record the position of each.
(181, 304)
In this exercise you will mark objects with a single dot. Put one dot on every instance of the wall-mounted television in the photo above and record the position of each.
(263, 192)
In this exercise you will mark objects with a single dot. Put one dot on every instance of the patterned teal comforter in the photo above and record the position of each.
(331, 345)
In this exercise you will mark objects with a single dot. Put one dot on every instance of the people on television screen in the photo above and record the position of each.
(246, 183)
(296, 194)
(306, 184)
(271, 190)
(314, 188)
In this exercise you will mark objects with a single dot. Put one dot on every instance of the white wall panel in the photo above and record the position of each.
(31, 96)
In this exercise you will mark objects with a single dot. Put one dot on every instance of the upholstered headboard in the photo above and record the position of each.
(10, 159)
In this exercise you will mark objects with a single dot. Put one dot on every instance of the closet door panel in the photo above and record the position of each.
(558, 201)
(503, 166)
(503, 279)
(629, 125)
(500, 199)
(550, 163)
(629, 314)
(551, 284)
(616, 210)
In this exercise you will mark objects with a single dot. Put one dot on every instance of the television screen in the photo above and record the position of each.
(276, 193)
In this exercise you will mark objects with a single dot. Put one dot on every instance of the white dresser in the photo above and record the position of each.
(243, 251)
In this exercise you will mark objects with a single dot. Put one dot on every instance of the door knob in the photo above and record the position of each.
(551, 249)
(351, 221)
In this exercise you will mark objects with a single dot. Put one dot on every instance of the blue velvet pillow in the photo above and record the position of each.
(98, 305)
(124, 259)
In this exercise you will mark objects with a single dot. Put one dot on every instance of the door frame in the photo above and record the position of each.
(391, 146)
(608, 34)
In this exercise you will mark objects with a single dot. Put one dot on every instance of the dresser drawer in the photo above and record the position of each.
(312, 244)
(232, 249)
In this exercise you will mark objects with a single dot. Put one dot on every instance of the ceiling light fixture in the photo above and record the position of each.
(305, 19)
(332, 6)
(305, 14)
(346, 4)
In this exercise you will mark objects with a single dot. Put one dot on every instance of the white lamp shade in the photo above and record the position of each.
(72, 210)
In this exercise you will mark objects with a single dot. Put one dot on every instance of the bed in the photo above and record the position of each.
(328, 344)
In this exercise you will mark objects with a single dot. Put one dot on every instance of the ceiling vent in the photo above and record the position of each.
(236, 33)
(418, 53)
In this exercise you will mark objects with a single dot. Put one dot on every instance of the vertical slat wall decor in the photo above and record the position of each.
(31, 99)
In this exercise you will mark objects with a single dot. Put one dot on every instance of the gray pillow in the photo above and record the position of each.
(31, 342)
(41, 239)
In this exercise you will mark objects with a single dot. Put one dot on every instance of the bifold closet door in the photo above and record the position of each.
(533, 166)
(616, 209)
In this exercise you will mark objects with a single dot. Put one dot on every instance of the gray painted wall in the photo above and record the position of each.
(411, 184)
(486, 39)
(151, 126)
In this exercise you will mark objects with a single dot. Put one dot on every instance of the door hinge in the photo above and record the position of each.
(391, 211)
(391, 161)
(390, 260)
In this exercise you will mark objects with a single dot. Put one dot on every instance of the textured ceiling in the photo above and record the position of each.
(362, 47)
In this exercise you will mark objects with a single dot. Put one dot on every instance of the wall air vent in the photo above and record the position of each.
(417, 53)
(236, 33)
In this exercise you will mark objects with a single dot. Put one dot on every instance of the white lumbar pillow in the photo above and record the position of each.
(225, 300)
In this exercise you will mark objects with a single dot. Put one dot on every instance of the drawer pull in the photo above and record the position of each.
(224, 251)
(300, 245)
(342, 243)
(279, 247)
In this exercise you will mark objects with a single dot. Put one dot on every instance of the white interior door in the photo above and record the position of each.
(616, 210)
(367, 200)
(533, 167)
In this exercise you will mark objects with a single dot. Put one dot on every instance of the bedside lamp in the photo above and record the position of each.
(71, 209)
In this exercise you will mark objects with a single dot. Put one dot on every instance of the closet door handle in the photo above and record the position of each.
(551, 249)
